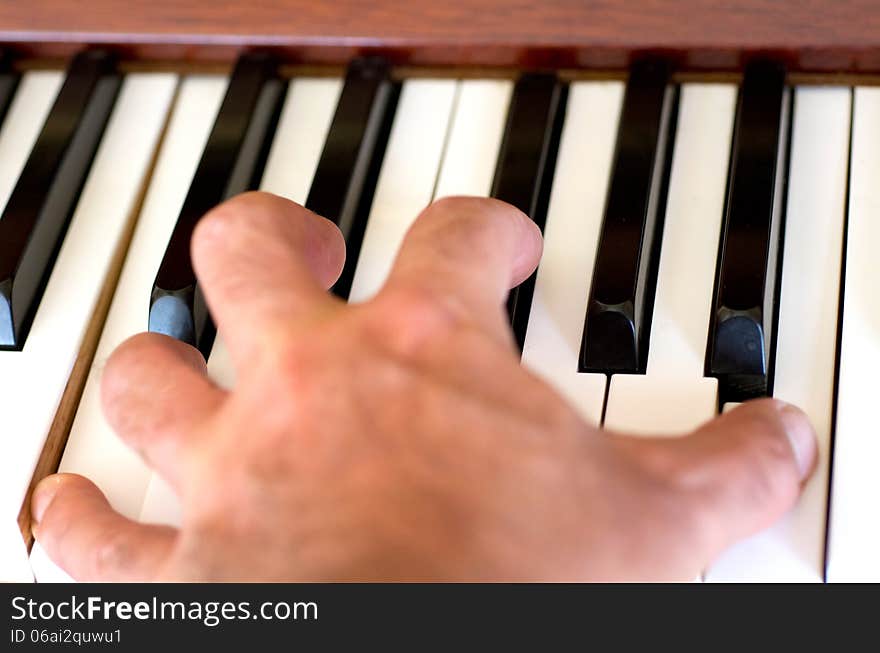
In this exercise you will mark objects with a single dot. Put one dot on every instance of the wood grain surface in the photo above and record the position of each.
(809, 35)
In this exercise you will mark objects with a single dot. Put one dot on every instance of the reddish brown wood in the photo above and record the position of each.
(810, 35)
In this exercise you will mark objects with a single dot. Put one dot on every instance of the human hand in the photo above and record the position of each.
(399, 438)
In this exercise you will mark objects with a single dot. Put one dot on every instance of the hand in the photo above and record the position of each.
(399, 438)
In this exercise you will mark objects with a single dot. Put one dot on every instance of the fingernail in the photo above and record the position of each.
(42, 497)
(801, 437)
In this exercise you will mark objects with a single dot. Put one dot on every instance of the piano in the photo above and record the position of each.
(706, 175)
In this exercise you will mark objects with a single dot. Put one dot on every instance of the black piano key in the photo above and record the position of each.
(39, 209)
(232, 162)
(8, 83)
(526, 163)
(618, 320)
(345, 180)
(743, 320)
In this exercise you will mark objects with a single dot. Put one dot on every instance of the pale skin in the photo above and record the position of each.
(399, 439)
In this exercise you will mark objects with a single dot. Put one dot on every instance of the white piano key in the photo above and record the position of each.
(14, 564)
(296, 148)
(407, 179)
(44, 570)
(692, 228)
(571, 234)
(27, 112)
(299, 139)
(673, 396)
(854, 528)
(24, 120)
(793, 549)
(38, 374)
(93, 449)
(161, 504)
(659, 405)
(474, 138)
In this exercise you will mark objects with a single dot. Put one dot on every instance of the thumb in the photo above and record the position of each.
(737, 474)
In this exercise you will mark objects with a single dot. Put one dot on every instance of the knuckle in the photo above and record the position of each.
(303, 373)
(669, 489)
(680, 475)
(757, 468)
(409, 319)
(295, 367)
(114, 553)
(661, 463)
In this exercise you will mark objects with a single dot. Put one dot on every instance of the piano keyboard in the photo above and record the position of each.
(705, 243)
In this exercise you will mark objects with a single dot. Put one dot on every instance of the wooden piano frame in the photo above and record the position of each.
(809, 36)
